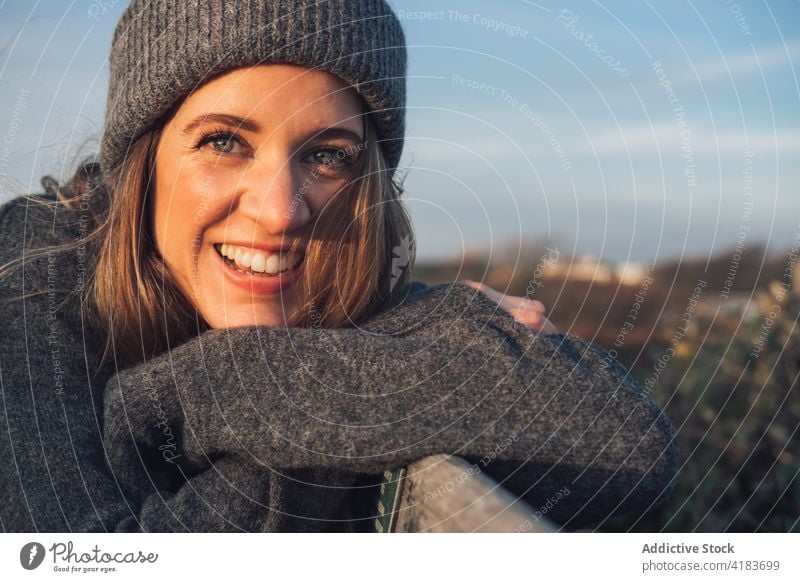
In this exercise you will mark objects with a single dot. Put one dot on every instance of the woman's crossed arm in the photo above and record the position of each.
(446, 372)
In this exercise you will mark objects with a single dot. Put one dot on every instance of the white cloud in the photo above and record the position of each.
(738, 65)
(666, 137)
(663, 138)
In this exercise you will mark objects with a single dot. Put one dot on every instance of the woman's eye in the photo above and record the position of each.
(332, 158)
(222, 143)
(325, 157)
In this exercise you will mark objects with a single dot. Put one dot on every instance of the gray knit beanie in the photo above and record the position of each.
(164, 49)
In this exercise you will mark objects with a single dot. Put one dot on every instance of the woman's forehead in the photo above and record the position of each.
(277, 92)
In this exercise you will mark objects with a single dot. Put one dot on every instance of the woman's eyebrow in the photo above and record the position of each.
(335, 132)
(223, 118)
(250, 125)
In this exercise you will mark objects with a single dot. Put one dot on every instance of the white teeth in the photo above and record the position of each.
(258, 261)
(245, 262)
(273, 262)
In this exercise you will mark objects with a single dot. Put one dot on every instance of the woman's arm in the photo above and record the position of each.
(231, 495)
(448, 371)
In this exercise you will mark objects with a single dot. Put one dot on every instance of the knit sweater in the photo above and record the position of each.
(289, 429)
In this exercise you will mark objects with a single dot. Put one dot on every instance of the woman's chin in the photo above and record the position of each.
(246, 316)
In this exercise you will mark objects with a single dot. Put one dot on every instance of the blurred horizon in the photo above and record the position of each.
(627, 132)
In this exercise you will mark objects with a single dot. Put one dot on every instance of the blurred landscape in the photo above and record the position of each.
(716, 342)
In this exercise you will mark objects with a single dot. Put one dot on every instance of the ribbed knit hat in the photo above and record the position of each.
(164, 49)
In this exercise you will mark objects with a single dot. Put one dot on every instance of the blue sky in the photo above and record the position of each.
(526, 119)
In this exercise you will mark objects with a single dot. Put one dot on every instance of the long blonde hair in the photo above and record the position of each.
(133, 298)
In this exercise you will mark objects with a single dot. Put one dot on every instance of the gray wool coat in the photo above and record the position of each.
(276, 429)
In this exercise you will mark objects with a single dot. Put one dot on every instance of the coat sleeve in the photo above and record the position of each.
(231, 494)
(550, 416)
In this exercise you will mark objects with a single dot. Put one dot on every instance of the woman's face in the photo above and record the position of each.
(242, 170)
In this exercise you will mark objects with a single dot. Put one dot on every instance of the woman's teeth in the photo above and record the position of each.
(268, 262)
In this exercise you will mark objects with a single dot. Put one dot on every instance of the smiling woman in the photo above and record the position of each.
(270, 203)
(238, 151)
(251, 357)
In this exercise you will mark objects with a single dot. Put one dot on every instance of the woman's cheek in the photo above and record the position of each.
(196, 203)
(213, 187)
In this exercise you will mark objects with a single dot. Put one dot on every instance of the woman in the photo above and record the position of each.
(250, 357)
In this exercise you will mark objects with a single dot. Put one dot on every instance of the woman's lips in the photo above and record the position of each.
(258, 283)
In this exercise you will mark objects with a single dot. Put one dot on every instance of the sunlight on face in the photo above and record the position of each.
(242, 170)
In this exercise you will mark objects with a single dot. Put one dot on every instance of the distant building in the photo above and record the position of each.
(631, 273)
(589, 268)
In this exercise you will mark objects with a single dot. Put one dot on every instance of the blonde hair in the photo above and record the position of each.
(133, 298)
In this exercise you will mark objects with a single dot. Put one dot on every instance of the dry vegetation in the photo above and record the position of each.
(731, 385)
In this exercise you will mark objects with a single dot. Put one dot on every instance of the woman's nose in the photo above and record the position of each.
(274, 197)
